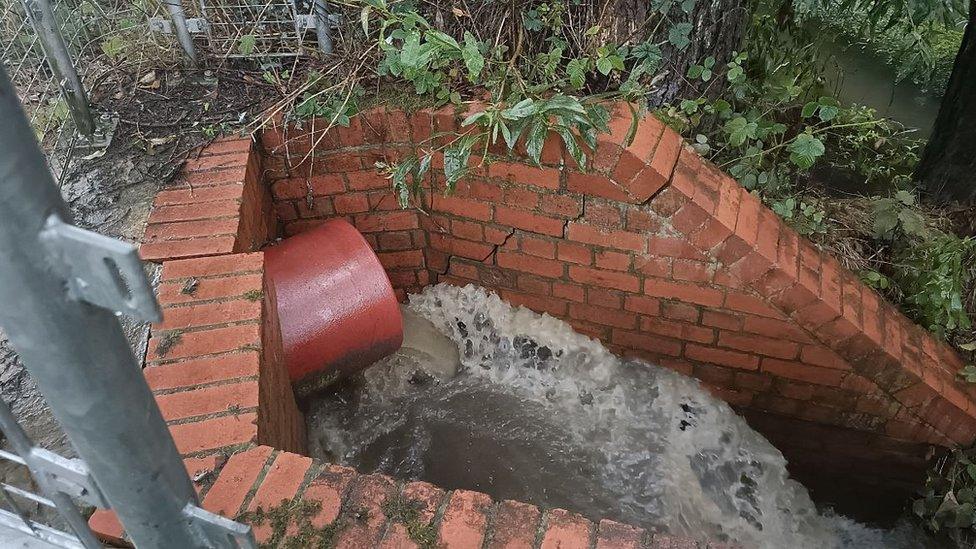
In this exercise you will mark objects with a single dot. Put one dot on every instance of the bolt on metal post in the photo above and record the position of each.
(178, 16)
(77, 353)
(42, 17)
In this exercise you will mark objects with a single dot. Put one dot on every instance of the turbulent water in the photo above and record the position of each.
(519, 406)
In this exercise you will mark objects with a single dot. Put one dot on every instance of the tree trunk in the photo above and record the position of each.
(947, 169)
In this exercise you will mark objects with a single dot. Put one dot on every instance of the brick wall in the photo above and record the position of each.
(217, 205)
(215, 365)
(658, 254)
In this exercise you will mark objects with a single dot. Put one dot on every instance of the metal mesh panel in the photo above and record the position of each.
(256, 29)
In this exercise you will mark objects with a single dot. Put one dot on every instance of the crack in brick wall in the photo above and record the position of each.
(655, 252)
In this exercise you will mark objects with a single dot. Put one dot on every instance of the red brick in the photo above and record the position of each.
(206, 289)
(281, 482)
(226, 145)
(689, 293)
(394, 260)
(218, 340)
(643, 341)
(401, 220)
(722, 357)
(210, 314)
(679, 248)
(467, 230)
(643, 305)
(237, 477)
(561, 205)
(759, 345)
(533, 285)
(617, 261)
(203, 370)
(677, 330)
(771, 327)
(603, 214)
(529, 264)
(598, 277)
(566, 530)
(526, 175)
(539, 304)
(191, 229)
(596, 185)
(348, 203)
(463, 248)
(528, 221)
(725, 321)
(214, 433)
(328, 489)
(575, 253)
(750, 304)
(365, 503)
(394, 241)
(691, 271)
(604, 298)
(681, 311)
(425, 498)
(208, 400)
(658, 267)
(217, 162)
(194, 195)
(227, 264)
(614, 535)
(538, 247)
(465, 520)
(514, 526)
(803, 372)
(621, 240)
(603, 316)
(822, 356)
(192, 212)
(182, 249)
(567, 291)
(463, 207)
(520, 197)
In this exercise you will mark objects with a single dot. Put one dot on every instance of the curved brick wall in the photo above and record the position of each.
(660, 255)
(215, 366)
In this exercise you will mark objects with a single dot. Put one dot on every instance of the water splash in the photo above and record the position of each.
(539, 413)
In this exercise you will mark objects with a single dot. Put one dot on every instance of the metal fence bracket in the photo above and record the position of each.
(221, 531)
(196, 25)
(100, 270)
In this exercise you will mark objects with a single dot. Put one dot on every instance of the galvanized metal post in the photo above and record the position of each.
(178, 16)
(323, 26)
(78, 355)
(42, 18)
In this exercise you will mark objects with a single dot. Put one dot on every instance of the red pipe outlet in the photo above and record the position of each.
(335, 305)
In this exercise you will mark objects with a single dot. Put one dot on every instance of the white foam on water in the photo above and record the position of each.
(623, 439)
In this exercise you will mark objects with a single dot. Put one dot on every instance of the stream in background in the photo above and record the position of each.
(488, 397)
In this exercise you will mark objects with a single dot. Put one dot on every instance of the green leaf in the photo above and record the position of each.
(537, 138)
(456, 159)
(739, 129)
(473, 59)
(912, 223)
(809, 109)
(678, 35)
(828, 112)
(245, 46)
(805, 150)
(604, 65)
(576, 70)
(905, 198)
(364, 18)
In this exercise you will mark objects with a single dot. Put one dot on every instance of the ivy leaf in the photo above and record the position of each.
(576, 70)
(570, 141)
(805, 150)
(678, 35)
(473, 59)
